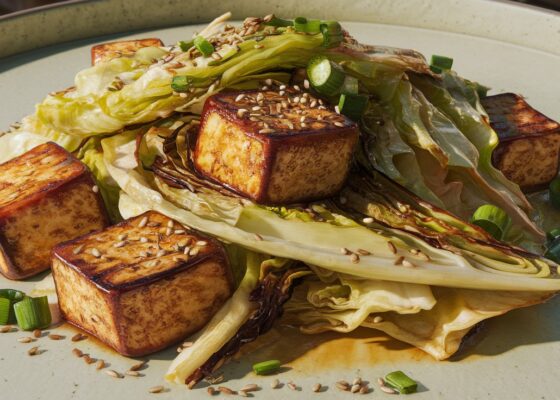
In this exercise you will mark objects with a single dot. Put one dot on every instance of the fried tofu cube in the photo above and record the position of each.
(143, 284)
(529, 147)
(108, 51)
(47, 196)
(274, 147)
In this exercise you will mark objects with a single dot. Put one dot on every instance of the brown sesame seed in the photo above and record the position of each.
(344, 250)
(251, 387)
(226, 390)
(138, 366)
(292, 386)
(6, 329)
(364, 389)
(100, 365)
(363, 252)
(33, 351)
(211, 391)
(392, 247)
(357, 381)
(132, 373)
(275, 384)
(380, 381)
(143, 222)
(243, 393)
(354, 258)
(88, 360)
(25, 340)
(343, 385)
(54, 336)
(77, 352)
(156, 389)
(113, 374)
(355, 388)
(37, 333)
(317, 387)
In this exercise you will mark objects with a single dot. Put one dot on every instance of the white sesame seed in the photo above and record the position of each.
(408, 264)
(256, 108)
(292, 386)
(112, 373)
(313, 103)
(268, 82)
(367, 220)
(201, 243)
(339, 124)
(399, 260)
(303, 100)
(260, 96)
(275, 384)
(179, 231)
(170, 224)
(296, 99)
(187, 250)
(303, 125)
(377, 319)
(306, 84)
(194, 251)
(297, 88)
(264, 87)
(25, 340)
(266, 130)
(316, 387)
(302, 119)
(355, 388)
(259, 46)
(251, 387)
(78, 249)
(143, 222)
(387, 389)
(240, 97)
(216, 56)
(96, 253)
(156, 389)
(161, 253)
(143, 240)
(95, 189)
(119, 244)
(168, 231)
(282, 87)
(243, 393)
(122, 236)
(241, 112)
(343, 385)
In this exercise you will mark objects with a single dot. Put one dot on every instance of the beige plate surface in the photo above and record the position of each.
(517, 356)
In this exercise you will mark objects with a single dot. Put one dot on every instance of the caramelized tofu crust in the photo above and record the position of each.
(46, 197)
(108, 51)
(529, 146)
(143, 284)
(274, 147)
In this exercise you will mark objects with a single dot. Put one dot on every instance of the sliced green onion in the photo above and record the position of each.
(33, 313)
(266, 367)
(553, 234)
(12, 297)
(352, 105)
(5, 311)
(186, 46)
(325, 75)
(203, 45)
(300, 24)
(492, 219)
(553, 251)
(441, 62)
(400, 381)
(554, 192)
(350, 85)
(332, 33)
(279, 22)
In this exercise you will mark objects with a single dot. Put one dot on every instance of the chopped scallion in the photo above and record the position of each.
(203, 45)
(492, 219)
(279, 22)
(12, 296)
(300, 23)
(186, 46)
(332, 33)
(325, 76)
(554, 192)
(553, 234)
(266, 367)
(352, 105)
(553, 251)
(350, 85)
(5, 311)
(400, 381)
(441, 62)
(33, 313)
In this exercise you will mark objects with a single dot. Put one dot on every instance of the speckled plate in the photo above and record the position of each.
(506, 46)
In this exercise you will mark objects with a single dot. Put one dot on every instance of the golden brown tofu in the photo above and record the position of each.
(143, 284)
(108, 51)
(274, 147)
(529, 141)
(46, 197)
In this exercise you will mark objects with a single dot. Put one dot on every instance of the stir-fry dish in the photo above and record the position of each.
(275, 167)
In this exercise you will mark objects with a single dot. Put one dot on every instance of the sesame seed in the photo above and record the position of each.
(354, 258)
(88, 360)
(377, 319)
(281, 92)
(54, 336)
(6, 329)
(95, 189)
(364, 389)
(143, 240)
(275, 384)
(392, 247)
(259, 46)
(260, 96)
(256, 108)
(161, 253)
(119, 244)
(303, 100)
(266, 130)
(153, 224)
(367, 220)
(339, 124)
(216, 56)
(302, 119)
(296, 99)
(25, 340)
(313, 103)
(387, 390)
(297, 88)
(156, 389)
(33, 351)
(241, 112)
(37, 333)
(355, 388)
(399, 260)
(303, 125)
(183, 95)
(78, 337)
(168, 231)
(143, 222)
(292, 386)
(336, 109)
(306, 84)
(96, 253)
(77, 352)
(240, 97)
(122, 236)
(357, 381)
(225, 390)
(243, 393)
(268, 82)
(363, 252)
(138, 366)
(194, 251)
(251, 387)
(211, 391)
(343, 385)
(344, 251)
(179, 231)
(187, 344)
(112, 373)
(408, 264)
(201, 243)
(316, 387)
(282, 87)
(132, 373)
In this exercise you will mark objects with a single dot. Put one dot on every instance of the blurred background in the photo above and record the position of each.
(9, 6)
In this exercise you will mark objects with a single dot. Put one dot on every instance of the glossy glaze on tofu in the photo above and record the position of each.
(529, 147)
(274, 147)
(108, 51)
(46, 197)
(143, 284)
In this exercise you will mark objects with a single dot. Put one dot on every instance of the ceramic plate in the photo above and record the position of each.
(509, 48)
